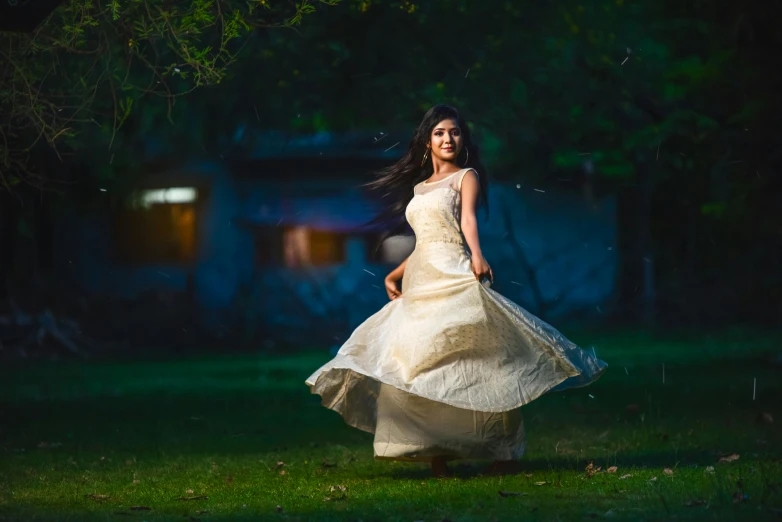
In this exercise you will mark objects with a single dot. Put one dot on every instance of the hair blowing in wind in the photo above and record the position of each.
(395, 183)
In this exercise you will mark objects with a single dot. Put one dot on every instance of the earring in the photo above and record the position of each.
(426, 155)
(467, 159)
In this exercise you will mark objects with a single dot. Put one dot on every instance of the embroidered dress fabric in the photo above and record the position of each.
(444, 369)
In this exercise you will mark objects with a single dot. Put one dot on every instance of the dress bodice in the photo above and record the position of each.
(434, 213)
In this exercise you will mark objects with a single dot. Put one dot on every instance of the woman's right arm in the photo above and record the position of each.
(397, 273)
(391, 279)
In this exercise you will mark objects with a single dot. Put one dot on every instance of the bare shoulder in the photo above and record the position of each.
(471, 173)
(469, 176)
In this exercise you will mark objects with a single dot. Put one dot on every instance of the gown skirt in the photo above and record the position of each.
(443, 370)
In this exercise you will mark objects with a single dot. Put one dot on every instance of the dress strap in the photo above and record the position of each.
(461, 176)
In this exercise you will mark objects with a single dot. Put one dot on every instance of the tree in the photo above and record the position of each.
(91, 63)
(670, 105)
(94, 69)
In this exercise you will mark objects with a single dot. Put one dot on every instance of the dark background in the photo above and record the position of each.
(671, 108)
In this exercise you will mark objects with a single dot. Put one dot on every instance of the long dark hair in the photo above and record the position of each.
(395, 183)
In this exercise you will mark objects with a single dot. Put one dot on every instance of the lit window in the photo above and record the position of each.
(327, 248)
(158, 226)
(296, 247)
(299, 246)
(147, 198)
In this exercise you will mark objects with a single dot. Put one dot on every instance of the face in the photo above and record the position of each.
(446, 140)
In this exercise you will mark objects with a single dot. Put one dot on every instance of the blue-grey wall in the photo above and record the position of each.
(567, 246)
(568, 242)
(85, 248)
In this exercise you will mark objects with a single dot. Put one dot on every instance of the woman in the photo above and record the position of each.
(441, 371)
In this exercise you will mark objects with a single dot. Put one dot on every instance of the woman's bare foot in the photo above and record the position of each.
(440, 467)
(504, 467)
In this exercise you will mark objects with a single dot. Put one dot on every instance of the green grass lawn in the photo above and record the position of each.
(240, 438)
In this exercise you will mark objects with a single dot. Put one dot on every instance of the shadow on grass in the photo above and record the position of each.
(658, 460)
(237, 423)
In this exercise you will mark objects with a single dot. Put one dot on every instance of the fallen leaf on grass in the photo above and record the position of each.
(510, 494)
(339, 488)
(653, 479)
(612, 469)
(591, 470)
(691, 503)
(199, 497)
(709, 470)
(668, 471)
(540, 483)
(282, 472)
(189, 491)
(730, 458)
(279, 465)
(628, 475)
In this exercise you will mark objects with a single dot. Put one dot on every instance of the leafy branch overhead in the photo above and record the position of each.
(91, 62)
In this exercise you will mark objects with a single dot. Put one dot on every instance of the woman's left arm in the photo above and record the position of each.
(470, 190)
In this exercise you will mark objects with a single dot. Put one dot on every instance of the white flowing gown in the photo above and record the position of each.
(444, 369)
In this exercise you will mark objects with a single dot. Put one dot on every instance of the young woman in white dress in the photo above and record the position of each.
(442, 370)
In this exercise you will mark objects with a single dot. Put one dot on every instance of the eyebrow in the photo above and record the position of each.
(453, 128)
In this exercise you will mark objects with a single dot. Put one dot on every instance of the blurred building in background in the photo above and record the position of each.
(272, 243)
